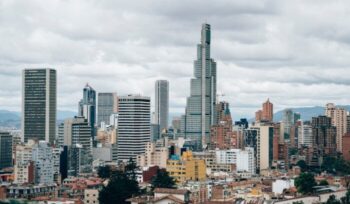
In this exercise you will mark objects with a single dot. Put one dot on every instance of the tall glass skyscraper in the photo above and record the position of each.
(87, 107)
(39, 104)
(162, 104)
(5, 150)
(107, 105)
(200, 109)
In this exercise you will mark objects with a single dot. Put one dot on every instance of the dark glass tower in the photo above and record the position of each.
(162, 104)
(87, 107)
(39, 104)
(5, 150)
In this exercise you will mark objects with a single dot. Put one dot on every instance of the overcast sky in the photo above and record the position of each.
(295, 52)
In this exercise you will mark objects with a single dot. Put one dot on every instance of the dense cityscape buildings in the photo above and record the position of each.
(112, 149)
(39, 104)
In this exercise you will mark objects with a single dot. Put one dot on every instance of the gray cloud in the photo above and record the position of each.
(294, 52)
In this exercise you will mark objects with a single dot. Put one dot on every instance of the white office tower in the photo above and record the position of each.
(304, 135)
(200, 108)
(162, 104)
(134, 126)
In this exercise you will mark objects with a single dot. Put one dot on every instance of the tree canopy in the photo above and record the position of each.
(336, 165)
(104, 172)
(305, 183)
(162, 180)
(303, 166)
(323, 183)
(119, 188)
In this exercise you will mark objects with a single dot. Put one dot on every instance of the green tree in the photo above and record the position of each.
(104, 172)
(332, 200)
(162, 180)
(341, 166)
(323, 183)
(293, 151)
(336, 165)
(303, 166)
(305, 183)
(119, 188)
(346, 198)
(130, 169)
(328, 164)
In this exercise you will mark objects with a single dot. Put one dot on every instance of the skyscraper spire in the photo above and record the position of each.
(200, 110)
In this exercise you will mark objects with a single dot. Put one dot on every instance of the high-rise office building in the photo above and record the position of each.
(87, 107)
(267, 111)
(324, 135)
(106, 106)
(200, 109)
(134, 126)
(339, 120)
(39, 104)
(162, 104)
(260, 137)
(287, 123)
(305, 135)
(79, 160)
(74, 131)
(5, 150)
(75, 137)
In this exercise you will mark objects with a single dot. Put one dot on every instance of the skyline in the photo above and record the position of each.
(301, 56)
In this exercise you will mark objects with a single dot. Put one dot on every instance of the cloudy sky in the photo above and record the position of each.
(295, 52)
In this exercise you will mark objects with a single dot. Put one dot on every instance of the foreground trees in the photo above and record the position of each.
(162, 180)
(305, 183)
(121, 185)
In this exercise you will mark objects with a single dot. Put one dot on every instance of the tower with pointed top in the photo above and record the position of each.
(267, 111)
(87, 107)
(200, 109)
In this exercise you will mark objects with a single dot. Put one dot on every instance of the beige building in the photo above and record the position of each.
(264, 152)
(107, 135)
(24, 168)
(153, 156)
(211, 164)
(339, 120)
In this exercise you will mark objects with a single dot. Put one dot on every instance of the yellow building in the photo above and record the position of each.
(186, 168)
